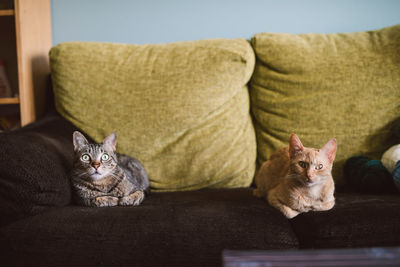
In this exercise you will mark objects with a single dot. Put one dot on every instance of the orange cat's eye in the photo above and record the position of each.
(303, 164)
(320, 166)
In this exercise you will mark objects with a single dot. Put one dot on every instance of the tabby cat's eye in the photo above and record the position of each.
(105, 157)
(320, 166)
(303, 164)
(85, 157)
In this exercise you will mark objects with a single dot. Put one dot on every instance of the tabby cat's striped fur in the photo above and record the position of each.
(102, 178)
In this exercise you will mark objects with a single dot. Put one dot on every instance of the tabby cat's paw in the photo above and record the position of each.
(105, 201)
(133, 199)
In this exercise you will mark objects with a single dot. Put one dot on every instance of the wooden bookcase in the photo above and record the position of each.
(25, 34)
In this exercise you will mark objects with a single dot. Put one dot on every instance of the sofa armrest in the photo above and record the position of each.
(34, 165)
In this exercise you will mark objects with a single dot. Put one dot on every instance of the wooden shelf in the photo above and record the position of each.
(26, 40)
(9, 100)
(6, 12)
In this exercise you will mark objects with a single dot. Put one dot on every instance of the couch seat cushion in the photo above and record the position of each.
(174, 229)
(182, 109)
(327, 85)
(357, 220)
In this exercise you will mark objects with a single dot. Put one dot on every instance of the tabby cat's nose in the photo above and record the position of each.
(95, 164)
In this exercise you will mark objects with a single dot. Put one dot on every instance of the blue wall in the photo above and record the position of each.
(161, 21)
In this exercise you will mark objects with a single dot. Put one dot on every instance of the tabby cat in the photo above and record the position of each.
(298, 179)
(102, 178)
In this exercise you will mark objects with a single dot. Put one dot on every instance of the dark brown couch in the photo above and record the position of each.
(41, 226)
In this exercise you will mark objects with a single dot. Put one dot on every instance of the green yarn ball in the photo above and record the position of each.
(368, 176)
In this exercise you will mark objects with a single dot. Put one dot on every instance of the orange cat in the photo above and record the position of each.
(298, 179)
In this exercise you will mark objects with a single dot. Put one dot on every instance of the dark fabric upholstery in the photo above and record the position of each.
(174, 229)
(34, 162)
(357, 220)
(40, 226)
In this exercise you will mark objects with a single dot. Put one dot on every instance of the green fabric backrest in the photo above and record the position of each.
(182, 109)
(321, 86)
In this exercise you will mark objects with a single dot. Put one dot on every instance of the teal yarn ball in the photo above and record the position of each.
(396, 175)
(368, 176)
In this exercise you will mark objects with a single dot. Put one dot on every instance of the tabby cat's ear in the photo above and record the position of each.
(110, 142)
(330, 149)
(79, 141)
(295, 145)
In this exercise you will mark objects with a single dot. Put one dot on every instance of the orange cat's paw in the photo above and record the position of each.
(324, 205)
(289, 213)
(328, 205)
(275, 202)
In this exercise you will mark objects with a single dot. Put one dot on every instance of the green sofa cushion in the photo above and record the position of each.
(321, 86)
(182, 109)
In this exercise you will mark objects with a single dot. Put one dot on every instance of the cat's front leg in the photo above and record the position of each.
(133, 199)
(276, 203)
(105, 201)
(288, 212)
(325, 205)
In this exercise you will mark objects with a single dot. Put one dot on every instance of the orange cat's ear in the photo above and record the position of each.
(295, 145)
(330, 149)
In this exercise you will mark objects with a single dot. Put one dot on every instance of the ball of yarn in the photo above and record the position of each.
(391, 157)
(367, 175)
(396, 175)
